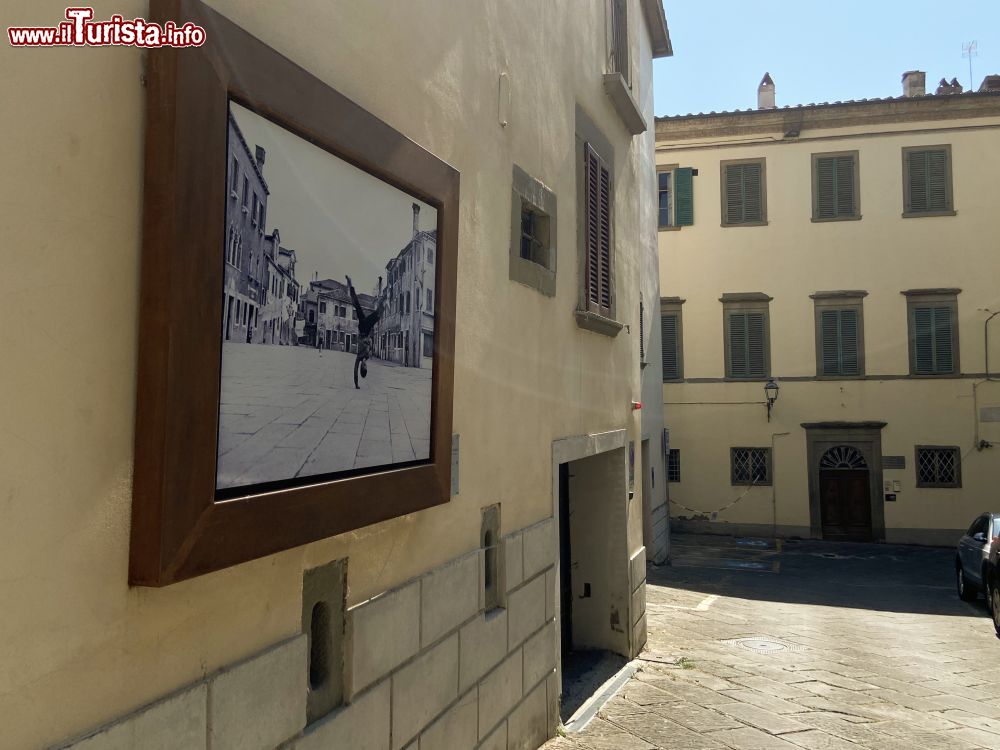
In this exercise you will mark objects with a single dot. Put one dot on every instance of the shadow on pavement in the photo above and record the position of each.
(876, 577)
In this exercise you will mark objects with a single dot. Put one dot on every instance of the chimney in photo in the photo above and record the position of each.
(765, 93)
(259, 155)
(914, 83)
(416, 219)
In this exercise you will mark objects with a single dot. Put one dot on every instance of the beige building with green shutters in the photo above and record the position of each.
(829, 275)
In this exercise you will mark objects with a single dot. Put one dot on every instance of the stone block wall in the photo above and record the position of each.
(426, 667)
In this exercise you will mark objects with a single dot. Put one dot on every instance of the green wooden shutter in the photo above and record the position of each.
(928, 180)
(835, 187)
(937, 199)
(738, 364)
(605, 239)
(734, 194)
(849, 359)
(668, 344)
(683, 197)
(830, 344)
(943, 348)
(642, 330)
(598, 231)
(826, 188)
(756, 355)
(923, 340)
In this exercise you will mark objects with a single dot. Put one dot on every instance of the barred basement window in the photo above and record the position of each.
(744, 193)
(751, 466)
(835, 183)
(927, 181)
(673, 465)
(938, 466)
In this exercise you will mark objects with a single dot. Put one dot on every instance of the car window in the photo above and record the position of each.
(980, 526)
(976, 526)
(996, 527)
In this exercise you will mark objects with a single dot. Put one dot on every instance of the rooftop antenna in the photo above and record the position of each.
(970, 50)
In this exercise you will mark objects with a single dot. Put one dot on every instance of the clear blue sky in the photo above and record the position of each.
(817, 51)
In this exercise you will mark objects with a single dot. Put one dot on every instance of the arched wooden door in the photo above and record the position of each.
(845, 495)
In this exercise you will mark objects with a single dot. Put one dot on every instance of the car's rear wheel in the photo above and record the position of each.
(966, 591)
(995, 607)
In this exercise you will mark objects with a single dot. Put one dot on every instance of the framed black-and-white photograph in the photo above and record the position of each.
(297, 310)
(327, 315)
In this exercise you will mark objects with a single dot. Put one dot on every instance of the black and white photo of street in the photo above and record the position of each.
(328, 314)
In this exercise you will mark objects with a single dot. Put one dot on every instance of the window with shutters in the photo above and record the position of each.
(750, 466)
(836, 186)
(840, 348)
(673, 465)
(619, 57)
(747, 337)
(938, 466)
(927, 181)
(675, 197)
(532, 232)
(642, 331)
(598, 233)
(932, 316)
(744, 192)
(671, 339)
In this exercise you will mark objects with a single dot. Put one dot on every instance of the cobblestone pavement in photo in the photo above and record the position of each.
(872, 649)
(289, 411)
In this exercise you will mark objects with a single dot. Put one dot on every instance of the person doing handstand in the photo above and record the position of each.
(365, 325)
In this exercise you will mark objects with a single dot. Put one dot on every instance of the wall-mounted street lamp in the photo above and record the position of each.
(771, 394)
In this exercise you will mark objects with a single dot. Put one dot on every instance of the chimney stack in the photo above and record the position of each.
(259, 155)
(990, 83)
(914, 83)
(948, 88)
(416, 219)
(765, 93)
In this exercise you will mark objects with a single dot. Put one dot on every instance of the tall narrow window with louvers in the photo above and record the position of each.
(747, 345)
(933, 347)
(927, 173)
(839, 329)
(835, 187)
(598, 234)
(683, 196)
(670, 344)
(744, 193)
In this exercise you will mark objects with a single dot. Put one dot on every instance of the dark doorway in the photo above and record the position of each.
(565, 561)
(845, 504)
(845, 495)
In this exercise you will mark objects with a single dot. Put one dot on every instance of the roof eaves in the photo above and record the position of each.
(656, 22)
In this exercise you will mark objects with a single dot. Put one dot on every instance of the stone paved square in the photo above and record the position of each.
(293, 411)
(878, 653)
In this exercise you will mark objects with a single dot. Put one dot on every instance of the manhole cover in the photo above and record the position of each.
(761, 644)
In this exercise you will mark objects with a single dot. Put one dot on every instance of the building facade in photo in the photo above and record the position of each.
(405, 333)
(455, 620)
(246, 276)
(838, 260)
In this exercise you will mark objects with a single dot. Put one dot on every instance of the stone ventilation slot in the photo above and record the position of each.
(323, 618)
(490, 540)
(319, 640)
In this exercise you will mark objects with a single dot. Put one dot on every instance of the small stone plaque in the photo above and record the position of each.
(893, 462)
(454, 465)
(989, 414)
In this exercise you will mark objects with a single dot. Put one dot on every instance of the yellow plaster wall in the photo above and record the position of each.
(791, 258)
(79, 647)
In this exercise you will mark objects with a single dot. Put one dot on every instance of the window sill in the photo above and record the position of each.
(835, 218)
(841, 377)
(923, 214)
(745, 224)
(598, 323)
(933, 375)
(534, 275)
(669, 229)
(617, 90)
